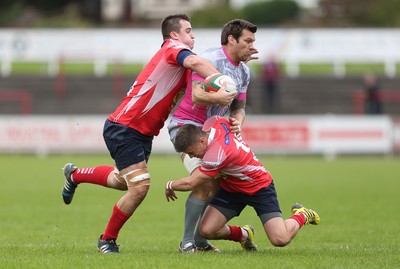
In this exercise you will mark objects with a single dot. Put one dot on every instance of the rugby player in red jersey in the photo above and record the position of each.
(130, 129)
(244, 181)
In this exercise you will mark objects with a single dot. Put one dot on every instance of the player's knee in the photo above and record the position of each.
(138, 192)
(203, 192)
(205, 232)
(280, 241)
(141, 193)
(200, 194)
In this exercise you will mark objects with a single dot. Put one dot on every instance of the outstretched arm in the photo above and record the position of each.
(200, 65)
(189, 183)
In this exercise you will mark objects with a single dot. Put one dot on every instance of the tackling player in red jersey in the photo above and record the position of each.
(244, 181)
(129, 131)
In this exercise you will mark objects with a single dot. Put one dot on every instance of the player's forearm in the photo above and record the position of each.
(236, 118)
(238, 114)
(200, 65)
(200, 97)
(183, 184)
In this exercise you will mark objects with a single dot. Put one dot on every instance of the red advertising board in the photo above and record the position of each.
(271, 135)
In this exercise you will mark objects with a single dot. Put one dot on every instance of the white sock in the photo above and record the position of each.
(245, 234)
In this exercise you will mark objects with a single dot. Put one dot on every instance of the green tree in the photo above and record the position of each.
(9, 10)
(362, 13)
(214, 16)
(271, 12)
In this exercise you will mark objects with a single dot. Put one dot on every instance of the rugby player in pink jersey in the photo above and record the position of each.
(243, 180)
(130, 129)
(237, 48)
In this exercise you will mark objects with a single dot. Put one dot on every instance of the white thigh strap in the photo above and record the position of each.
(138, 175)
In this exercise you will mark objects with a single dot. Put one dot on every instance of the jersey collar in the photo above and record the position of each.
(228, 57)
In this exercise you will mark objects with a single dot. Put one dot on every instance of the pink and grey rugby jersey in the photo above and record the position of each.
(240, 73)
(153, 95)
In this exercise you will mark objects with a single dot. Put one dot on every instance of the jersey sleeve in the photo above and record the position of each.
(210, 122)
(213, 161)
(173, 50)
(183, 54)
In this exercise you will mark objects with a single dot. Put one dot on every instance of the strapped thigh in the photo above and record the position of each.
(136, 177)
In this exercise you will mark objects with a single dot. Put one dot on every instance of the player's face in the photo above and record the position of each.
(245, 46)
(186, 35)
(197, 150)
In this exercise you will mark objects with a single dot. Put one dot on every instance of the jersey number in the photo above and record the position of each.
(241, 145)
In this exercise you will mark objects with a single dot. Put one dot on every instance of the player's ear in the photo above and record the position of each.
(231, 40)
(173, 35)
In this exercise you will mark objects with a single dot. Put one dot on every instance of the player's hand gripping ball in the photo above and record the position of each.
(214, 82)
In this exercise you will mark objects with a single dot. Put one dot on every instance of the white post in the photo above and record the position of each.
(390, 68)
(100, 67)
(292, 68)
(339, 68)
(53, 67)
(5, 67)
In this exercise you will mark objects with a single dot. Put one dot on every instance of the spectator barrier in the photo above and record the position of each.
(327, 135)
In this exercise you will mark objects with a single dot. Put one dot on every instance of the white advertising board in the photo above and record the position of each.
(46, 134)
(266, 135)
(319, 134)
(351, 134)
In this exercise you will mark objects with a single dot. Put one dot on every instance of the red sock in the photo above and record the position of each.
(95, 175)
(300, 218)
(117, 220)
(235, 233)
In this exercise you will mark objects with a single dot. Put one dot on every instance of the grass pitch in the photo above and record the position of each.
(356, 197)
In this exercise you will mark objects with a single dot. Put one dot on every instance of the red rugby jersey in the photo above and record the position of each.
(233, 159)
(153, 95)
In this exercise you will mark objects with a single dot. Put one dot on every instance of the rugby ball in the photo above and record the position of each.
(214, 82)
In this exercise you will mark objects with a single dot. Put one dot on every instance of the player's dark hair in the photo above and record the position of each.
(187, 135)
(171, 24)
(235, 28)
